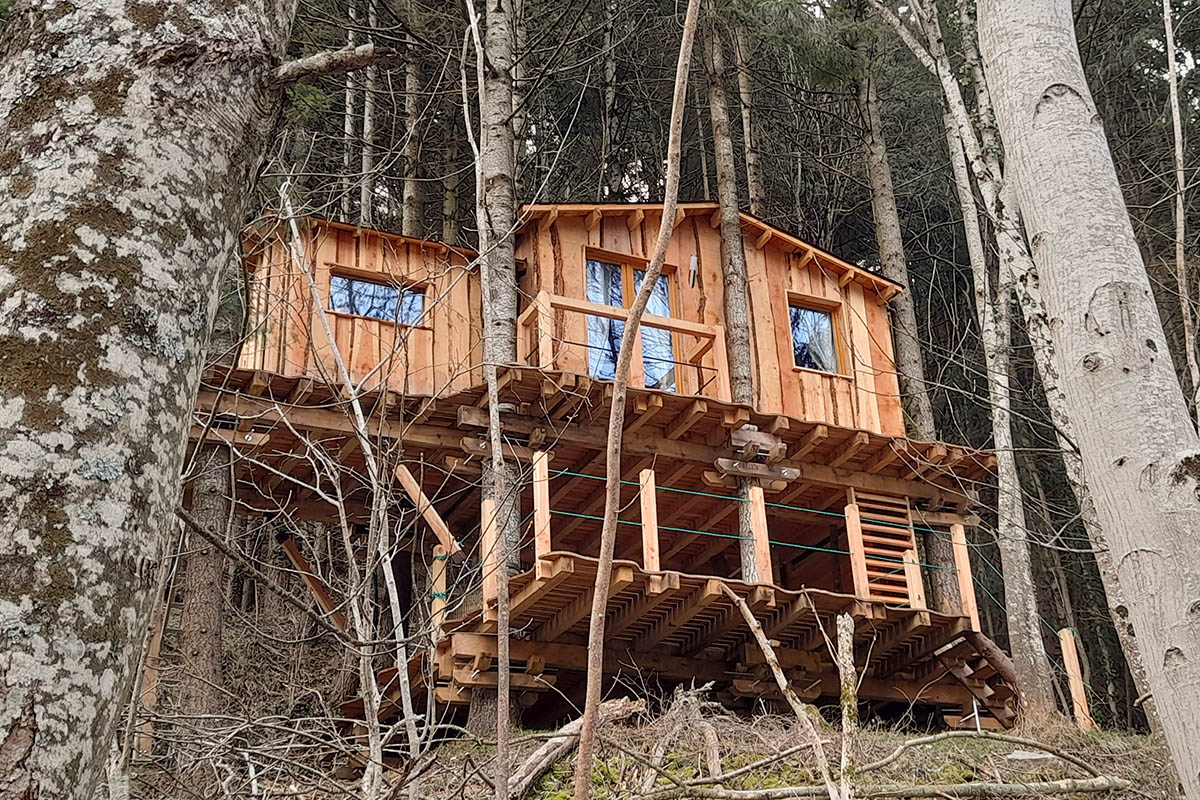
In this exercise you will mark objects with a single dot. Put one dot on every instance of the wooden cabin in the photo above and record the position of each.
(838, 495)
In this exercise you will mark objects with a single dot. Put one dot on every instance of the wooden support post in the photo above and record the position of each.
(966, 583)
(488, 542)
(912, 576)
(758, 526)
(858, 555)
(541, 504)
(1079, 701)
(425, 508)
(437, 601)
(647, 495)
(545, 333)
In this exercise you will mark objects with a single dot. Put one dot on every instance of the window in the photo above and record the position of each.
(362, 298)
(606, 284)
(813, 344)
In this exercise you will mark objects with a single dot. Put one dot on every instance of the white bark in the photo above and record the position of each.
(1181, 276)
(366, 180)
(130, 136)
(1139, 448)
(412, 222)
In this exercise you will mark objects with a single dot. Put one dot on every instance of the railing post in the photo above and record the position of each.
(962, 566)
(649, 504)
(545, 331)
(762, 544)
(488, 542)
(721, 363)
(541, 504)
(858, 555)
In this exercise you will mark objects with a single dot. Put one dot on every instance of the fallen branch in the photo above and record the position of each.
(1104, 783)
(563, 742)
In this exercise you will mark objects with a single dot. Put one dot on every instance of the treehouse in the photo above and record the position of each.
(837, 498)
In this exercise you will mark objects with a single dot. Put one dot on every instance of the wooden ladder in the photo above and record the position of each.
(883, 550)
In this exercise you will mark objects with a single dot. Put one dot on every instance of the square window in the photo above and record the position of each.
(813, 344)
(400, 304)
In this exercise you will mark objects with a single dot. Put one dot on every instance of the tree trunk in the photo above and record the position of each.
(1138, 447)
(1181, 276)
(450, 183)
(200, 644)
(110, 254)
(892, 261)
(411, 222)
(349, 126)
(733, 264)
(366, 180)
(941, 579)
(754, 182)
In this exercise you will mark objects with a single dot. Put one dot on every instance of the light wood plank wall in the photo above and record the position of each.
(439, 356)
(864, 395)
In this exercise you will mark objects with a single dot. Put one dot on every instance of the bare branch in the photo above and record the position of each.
(328, 62)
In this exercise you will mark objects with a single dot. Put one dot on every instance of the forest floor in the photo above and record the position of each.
(942, 768)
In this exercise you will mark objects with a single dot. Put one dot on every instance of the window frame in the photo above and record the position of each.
(380, 279)
(630, 264)
(837, 328)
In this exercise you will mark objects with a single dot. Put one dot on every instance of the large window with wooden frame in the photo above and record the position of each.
(359, 297)
(814, 336)
(616, 284)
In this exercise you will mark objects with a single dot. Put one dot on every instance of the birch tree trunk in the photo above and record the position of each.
(1139, 448)
(131, 136)
(733, 267)
(349, 126)
(1181, 276)
(754, 181)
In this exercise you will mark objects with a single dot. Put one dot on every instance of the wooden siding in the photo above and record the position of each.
(437, 356)
(863, 394)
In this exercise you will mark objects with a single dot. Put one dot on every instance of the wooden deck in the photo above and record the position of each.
(669, 627)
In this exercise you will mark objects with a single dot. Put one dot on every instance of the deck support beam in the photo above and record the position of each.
(425, 508)
(760, 571)
(648, 498)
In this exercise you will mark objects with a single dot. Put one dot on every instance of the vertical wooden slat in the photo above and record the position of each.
(858, 556)
(758, 525)
(488, 541)
(719, 387)
(545, 331)
(966, 583)
(541, 504)
(912, 576)
(1079, 701)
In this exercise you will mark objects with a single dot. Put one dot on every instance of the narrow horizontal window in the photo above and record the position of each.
(813, 344)
(401, 304)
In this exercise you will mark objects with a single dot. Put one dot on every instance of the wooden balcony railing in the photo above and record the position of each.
(552, 334)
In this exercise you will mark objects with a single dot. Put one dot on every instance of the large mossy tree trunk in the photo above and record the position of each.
(131, 136)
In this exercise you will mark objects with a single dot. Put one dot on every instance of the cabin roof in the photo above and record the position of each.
(273, 218)
(762, 232)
